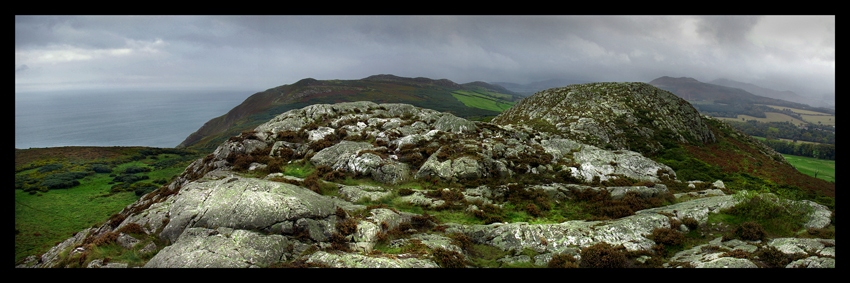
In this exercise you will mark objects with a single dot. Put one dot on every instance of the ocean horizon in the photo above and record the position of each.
(152, 118)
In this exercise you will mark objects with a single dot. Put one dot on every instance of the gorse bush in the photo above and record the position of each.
(49, 168)
(136, 169)
(62, 180)
(101, 168)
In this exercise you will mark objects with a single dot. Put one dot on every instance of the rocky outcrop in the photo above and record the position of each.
(377, 167)
(635, 116)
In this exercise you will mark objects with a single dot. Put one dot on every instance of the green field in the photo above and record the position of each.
(482, 101)
(810, 116)
(44, 218)
(787, 140)
(770, 117)
(819, 168)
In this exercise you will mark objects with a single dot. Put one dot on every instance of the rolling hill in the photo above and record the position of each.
(693, 90)
(475, 100)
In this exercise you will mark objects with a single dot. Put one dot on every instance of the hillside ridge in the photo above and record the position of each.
(376, 185)
(385, 88)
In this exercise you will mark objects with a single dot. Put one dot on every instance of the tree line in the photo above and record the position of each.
(821, 151)
(786, 130)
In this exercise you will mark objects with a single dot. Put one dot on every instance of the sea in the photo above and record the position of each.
(153, 118)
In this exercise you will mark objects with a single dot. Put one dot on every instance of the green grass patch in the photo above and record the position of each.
(297, 169)
(819, 168)
(778, 217)
(43, 218)
(460, 217)
(477, 100)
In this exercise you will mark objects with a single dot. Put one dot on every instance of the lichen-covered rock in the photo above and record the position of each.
(454, 124)
(345, 155)
(217, 214)
(822, 247)
(357, 193)
(635, 116)
(813, 262)
(221, 248)
(243, 203)
(347, 260)
(608, 164)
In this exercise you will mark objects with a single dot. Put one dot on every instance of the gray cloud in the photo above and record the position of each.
(259, 52)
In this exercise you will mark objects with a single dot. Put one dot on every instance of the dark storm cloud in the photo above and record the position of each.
(260, 52)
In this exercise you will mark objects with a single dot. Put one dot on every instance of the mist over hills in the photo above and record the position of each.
(692, 90)
(826, 101)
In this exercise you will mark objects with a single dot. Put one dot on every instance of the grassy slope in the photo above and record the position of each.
(824, 168)
(741, 160)
(819, 168)
(45, 218)
(263, 106)
(481, 101)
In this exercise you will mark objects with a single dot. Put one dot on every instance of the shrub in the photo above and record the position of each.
(449, 259)
(320, 144)
(461, 240)
(603, 255)
(736, 253)
(141, 189)
(312, 183)
(291, 136)
(821, 233)
(691, 223)
(286, 153)
(422, 222)
(106, 238)
(129, 178)
(339, 242)
(116, 220)
(533, 210)
(347, 226)
(242, 162)
(132, 228)
(275, 164)
(750, 230)
(62, 180)
(405, 192)
(772, 256)
(136, 169)
(101, 168)
(562, 261)
(49, 168)
(668, 236)
(614, 210)
(340, 213)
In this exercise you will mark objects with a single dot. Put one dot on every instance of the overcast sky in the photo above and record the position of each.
(255, 53)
